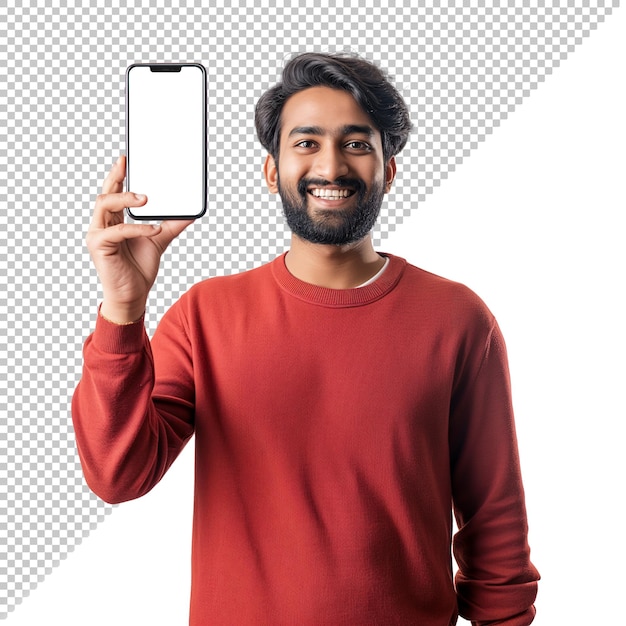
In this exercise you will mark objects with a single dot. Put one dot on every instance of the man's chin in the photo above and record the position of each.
(330, 230)
(328, 225)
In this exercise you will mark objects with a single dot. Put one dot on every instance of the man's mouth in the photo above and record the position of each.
(330, 194)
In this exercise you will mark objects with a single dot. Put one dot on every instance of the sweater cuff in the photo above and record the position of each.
(119, 338)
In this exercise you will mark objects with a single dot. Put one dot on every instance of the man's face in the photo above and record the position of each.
(331, 174)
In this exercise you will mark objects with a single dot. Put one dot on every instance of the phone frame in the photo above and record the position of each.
(169, 67)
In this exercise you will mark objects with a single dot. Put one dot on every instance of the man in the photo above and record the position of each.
(341, 399)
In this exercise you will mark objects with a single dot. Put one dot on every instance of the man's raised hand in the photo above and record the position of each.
(126, 255)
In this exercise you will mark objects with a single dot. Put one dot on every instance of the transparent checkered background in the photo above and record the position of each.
(462, 69)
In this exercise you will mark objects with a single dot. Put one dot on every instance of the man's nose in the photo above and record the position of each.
(331, 163)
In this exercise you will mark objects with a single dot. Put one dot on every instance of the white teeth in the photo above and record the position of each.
(331, 194)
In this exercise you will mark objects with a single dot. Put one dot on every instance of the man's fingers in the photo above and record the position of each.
(162, 233)
(121, 232)
(114, 203)
(109, 207)
(114, 182)
(170, 229)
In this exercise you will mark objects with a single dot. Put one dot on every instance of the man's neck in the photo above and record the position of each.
(334, 267)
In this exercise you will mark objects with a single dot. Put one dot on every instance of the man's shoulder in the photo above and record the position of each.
(234, 282)
(425, 279)
(451, 300)
(220, 299)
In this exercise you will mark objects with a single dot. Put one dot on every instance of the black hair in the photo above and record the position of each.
(366, 82)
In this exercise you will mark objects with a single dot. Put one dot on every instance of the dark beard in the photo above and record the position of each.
(332, 227)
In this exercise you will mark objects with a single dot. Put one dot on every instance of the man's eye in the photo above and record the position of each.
(359, 145)
(306, 144)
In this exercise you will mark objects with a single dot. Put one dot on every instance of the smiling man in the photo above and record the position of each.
(344, 402)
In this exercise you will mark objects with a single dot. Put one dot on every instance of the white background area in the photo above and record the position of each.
(533, 221)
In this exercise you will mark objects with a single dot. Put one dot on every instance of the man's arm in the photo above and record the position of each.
(127, 437)
(496, 582)
(125, 442)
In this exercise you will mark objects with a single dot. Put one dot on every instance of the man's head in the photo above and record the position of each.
(334, 124)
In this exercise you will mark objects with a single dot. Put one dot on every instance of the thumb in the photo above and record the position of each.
(170, 229)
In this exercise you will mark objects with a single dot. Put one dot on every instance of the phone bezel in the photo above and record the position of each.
(169, 67)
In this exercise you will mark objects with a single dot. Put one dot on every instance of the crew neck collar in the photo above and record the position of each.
(325, 296)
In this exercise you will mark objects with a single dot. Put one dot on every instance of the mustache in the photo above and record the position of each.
(347, 183)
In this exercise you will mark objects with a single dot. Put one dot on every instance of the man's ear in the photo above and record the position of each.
(270, 171)
(390, 173)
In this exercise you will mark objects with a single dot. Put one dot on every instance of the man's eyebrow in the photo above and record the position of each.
(358, 129)
(349, 129)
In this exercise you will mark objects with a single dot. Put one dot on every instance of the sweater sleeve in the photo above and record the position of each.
(128, 436)
(496, 582)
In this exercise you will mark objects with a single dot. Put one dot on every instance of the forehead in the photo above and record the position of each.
(324, 108)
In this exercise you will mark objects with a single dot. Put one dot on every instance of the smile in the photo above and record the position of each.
(331, 194)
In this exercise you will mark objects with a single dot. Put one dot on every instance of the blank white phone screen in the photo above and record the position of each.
(165, 140)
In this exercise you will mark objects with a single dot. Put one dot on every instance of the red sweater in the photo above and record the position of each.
(335, 430)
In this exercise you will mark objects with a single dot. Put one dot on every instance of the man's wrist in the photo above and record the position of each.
(121, 316)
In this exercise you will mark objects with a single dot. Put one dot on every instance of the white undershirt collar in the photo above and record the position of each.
(376, 276)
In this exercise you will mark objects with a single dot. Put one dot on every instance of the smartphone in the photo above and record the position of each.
(166, 139)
